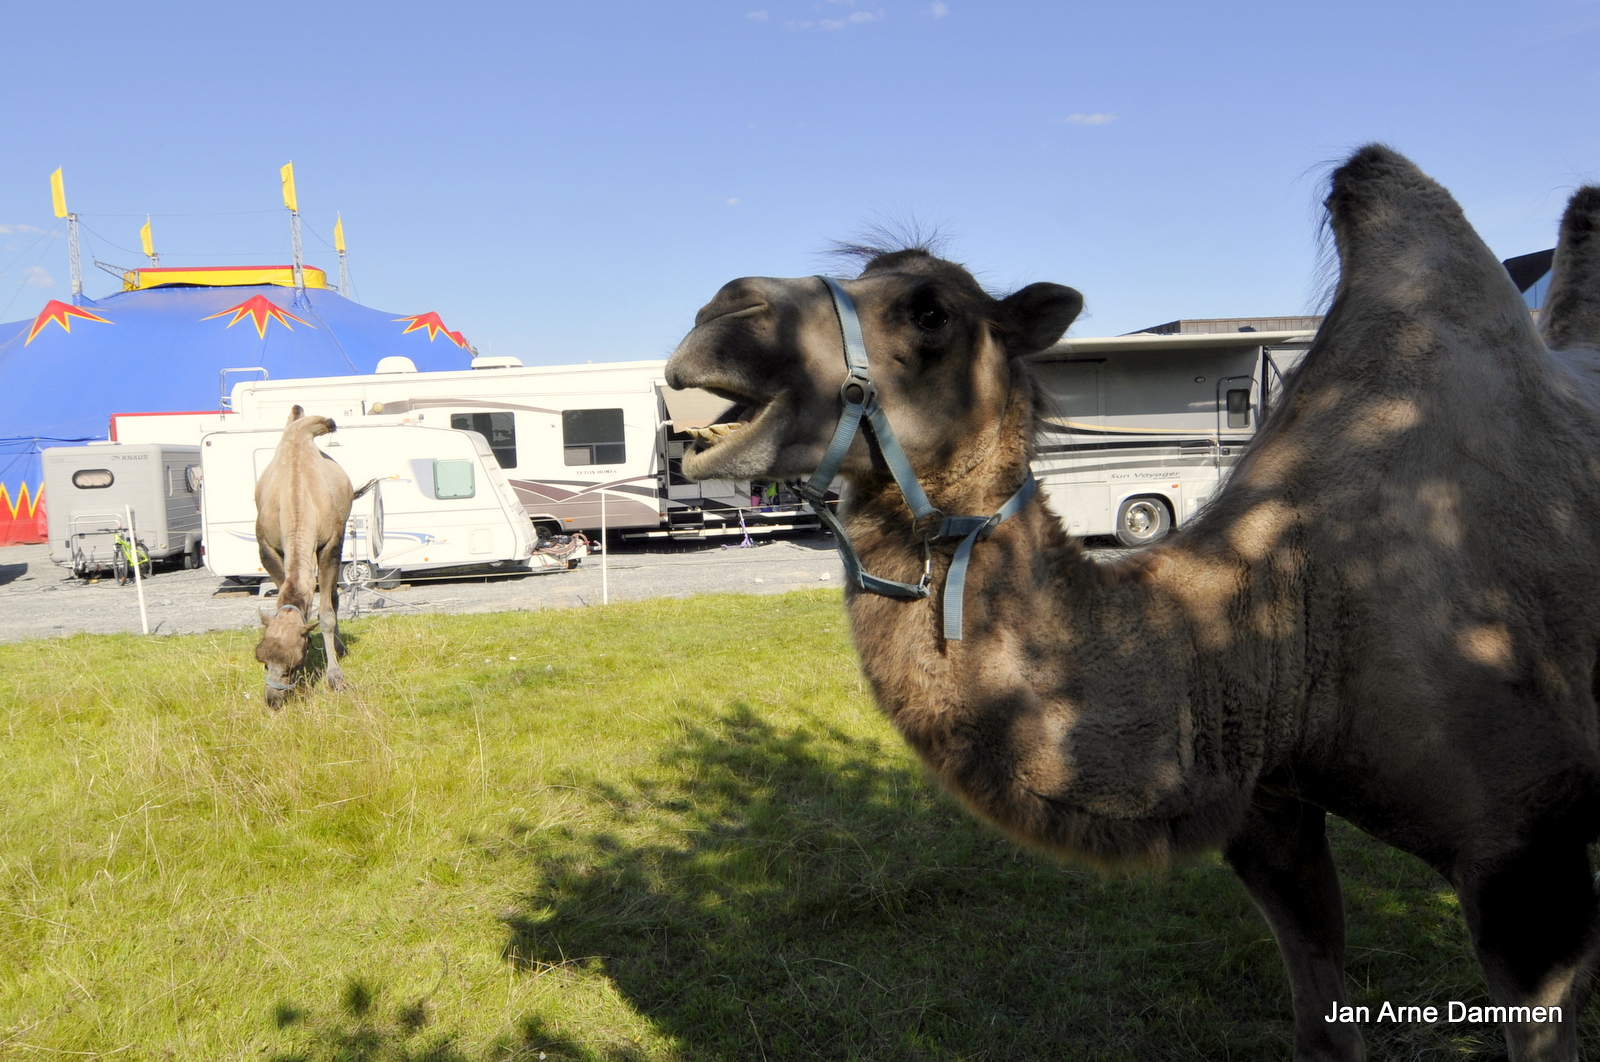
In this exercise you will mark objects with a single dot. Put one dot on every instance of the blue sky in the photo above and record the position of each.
(570, 182)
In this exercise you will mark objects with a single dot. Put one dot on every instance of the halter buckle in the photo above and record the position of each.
(865, 390)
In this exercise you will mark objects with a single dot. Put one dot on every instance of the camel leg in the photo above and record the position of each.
(272, 561)
(1534, 928)
(1282, 855)
(328, 611)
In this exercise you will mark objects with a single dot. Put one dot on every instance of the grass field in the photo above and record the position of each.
(668, 831)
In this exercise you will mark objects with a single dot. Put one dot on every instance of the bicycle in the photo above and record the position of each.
(126, 553)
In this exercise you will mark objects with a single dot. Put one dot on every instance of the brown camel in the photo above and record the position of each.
(1391, 612)
(302, 503)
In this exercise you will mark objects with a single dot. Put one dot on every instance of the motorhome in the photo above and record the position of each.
(1141, 430)
(96, 490)
(581, 445)
(439, 501)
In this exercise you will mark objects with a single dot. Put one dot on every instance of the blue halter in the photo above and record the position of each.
(861, 403)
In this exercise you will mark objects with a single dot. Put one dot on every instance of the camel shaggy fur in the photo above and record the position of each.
(1390, 613)
(303, 500)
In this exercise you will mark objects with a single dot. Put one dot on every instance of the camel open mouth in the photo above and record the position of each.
(732, 447)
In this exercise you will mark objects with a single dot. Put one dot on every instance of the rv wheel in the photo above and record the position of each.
(1141, 521)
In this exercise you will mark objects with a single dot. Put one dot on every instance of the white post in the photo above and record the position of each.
(138, 579)
(605, 554)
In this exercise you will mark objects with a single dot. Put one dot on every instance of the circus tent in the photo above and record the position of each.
(164, 345)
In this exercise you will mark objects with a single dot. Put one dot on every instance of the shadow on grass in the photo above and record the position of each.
(812, 897)
(766, 894)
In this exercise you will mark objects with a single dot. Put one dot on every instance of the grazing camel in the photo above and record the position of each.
(1390, 613)
(302, 503)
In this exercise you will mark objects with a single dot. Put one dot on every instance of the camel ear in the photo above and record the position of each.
(266, 617)
(295, 413)
(1036, 316)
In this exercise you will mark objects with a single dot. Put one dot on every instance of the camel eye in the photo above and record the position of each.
(929, 317)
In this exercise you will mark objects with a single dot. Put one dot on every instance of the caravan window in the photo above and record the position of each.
(453, 479)
(592, 437)
(1239, 408)
(499, 428)
(92, 478)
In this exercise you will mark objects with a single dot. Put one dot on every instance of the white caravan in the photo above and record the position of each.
(440, 501)
(1142, 429)
(577, 442)
(93, 490)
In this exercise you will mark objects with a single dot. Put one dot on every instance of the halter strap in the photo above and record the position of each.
(860, 400)
(295, 681)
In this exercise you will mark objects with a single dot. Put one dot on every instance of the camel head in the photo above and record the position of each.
(939, 346)
(283, 648)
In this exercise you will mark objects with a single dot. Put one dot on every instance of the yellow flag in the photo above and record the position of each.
(287, 176)
(338, 233)
(58, 194)
(145, 240)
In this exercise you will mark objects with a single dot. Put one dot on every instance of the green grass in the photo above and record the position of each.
(674, 830)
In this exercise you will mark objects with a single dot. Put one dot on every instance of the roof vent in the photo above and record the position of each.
(496, 363)
(395, 363)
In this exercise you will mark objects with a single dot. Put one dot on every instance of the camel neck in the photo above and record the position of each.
(1068, 715)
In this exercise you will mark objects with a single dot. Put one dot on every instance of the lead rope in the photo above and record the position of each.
(860, 399)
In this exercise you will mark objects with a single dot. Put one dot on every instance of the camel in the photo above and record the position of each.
(1390, 613)
(303, 501)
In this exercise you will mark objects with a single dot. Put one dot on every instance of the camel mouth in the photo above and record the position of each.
(733, 447)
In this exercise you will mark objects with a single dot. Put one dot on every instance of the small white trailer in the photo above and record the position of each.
(94, 489)
(440, 502)
(1143, 429)
(576, 442)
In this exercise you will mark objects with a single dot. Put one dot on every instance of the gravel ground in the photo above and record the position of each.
(41, 600)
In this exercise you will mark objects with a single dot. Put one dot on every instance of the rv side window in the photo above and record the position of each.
(592, 437)
(1239, 409)
(453, 479)
(191, 479)
(92, 478)
(499, 428)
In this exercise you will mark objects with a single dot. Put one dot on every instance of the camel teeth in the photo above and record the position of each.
(713, 432)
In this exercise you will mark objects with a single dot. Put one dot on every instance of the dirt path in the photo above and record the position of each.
(40, 600)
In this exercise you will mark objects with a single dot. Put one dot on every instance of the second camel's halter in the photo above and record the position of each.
(294, 678)
(860, 399)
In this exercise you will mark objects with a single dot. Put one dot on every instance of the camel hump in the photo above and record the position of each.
(304, 427)
(1570, 316)
(1410, 261)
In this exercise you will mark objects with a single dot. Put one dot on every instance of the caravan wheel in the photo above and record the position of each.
(1141, 521)
(357, 573)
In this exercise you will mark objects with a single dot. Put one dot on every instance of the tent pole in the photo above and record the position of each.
(74, 262)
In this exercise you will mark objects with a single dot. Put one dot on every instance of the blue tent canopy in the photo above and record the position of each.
(64, 372)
